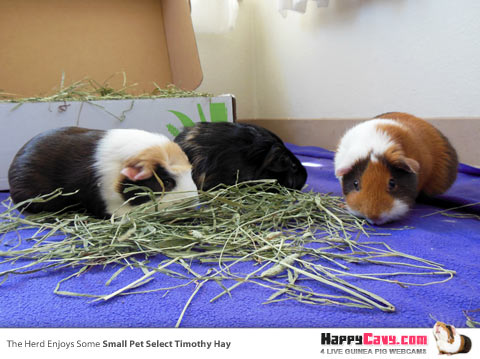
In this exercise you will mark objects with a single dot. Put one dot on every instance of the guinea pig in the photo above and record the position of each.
(100, 165)
(449, 341)
(384, 164)
(227, 153)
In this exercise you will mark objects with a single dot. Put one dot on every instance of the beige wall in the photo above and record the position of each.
(363, 58)
(354, 59)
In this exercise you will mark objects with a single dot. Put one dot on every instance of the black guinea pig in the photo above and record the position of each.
(99, 165)
(227, 153)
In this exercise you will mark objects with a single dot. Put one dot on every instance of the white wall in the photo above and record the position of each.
(353, 59)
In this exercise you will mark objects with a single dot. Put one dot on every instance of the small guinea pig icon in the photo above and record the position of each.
(383, 165)
(449, 341)
(99, 165)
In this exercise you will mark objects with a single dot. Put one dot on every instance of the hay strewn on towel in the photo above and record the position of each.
(29, 301)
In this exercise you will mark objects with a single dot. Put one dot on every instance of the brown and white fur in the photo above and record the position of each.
(384, 164)
(100, 165)
(449, 341)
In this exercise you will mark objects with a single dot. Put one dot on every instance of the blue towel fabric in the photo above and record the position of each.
(28, 300)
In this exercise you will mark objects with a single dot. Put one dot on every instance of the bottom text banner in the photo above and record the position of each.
(221, 343)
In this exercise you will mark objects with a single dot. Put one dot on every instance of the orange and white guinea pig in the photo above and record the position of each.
(384, 164)
(100, 165)
(449, 341)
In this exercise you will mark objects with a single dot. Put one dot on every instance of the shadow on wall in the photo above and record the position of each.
(268, 69)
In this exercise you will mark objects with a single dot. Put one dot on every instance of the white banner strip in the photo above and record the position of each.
(221, 343)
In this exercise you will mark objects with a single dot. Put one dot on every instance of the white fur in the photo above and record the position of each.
(399, 209)
(361, 141)
(356, 213)
(114, 149)
(441, 336)
(184, 188)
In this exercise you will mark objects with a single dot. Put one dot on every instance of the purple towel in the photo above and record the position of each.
(29, 301)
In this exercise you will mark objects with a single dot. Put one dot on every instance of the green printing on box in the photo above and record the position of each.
(218, 113)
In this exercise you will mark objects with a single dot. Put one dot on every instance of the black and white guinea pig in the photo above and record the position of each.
(385, 163)
(226, 153)
(449, 341)
(100, 165)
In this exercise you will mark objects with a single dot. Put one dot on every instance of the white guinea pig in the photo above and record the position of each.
(100, 165)
(385, 163)
(449, 341)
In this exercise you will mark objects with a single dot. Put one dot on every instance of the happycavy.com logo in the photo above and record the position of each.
(373, 343)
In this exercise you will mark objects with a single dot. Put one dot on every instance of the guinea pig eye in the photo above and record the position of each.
(168, 183)
(392, 184)
(356, 184)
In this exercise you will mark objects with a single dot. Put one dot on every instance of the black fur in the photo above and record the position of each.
(406, 188)
(224, 153)
(152, 183)
(467, 344)
(59, 158)
(449, 330)
(355, 174)
(452, 162)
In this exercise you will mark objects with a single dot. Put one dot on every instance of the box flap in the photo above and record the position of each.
(182, 45)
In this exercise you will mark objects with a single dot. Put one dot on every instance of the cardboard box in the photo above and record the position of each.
(149, 40)
(167, 116)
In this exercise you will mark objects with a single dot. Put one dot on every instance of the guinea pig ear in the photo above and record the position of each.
(261, 153)
(407, 164)
(136, 173)
(454, 330)
(276, 160)
(342, 171)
